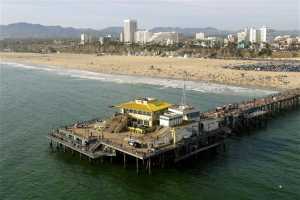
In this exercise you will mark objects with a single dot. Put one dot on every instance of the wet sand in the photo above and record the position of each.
(210, 70)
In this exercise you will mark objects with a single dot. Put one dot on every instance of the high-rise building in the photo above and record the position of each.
(251, 35)
(200, 36)
(130, 27)
(258, 36)
(254, 35)
(263, 35)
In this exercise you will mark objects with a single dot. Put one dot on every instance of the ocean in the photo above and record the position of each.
(264, 164)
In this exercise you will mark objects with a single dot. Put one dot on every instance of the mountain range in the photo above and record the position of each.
(37, 31)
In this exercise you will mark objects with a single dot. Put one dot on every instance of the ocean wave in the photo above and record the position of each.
(198, 86)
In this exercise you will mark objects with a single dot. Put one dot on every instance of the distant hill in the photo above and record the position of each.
(275, 33)
(114, 31)
(27, 30)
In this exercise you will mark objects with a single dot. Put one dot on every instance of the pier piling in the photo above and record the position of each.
(124, 160)
(137, 165)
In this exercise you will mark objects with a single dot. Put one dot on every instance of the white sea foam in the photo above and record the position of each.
(198, 86)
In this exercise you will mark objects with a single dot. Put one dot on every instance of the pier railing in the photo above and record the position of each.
(88, 150)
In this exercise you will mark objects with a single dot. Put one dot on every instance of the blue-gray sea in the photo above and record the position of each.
(35, 99)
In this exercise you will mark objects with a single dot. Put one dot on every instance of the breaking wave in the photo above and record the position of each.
(199, 86)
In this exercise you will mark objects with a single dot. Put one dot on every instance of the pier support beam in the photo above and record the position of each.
(137, 166)
(124, 160)
(149, 166)
(224, 147)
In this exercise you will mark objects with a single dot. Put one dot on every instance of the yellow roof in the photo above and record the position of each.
(152, 106)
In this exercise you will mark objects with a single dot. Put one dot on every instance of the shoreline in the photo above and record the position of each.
(198, 86)
(200, 70)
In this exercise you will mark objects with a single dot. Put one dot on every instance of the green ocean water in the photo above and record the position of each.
(262, 165)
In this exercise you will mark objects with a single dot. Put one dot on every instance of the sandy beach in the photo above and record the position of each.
(198, 69)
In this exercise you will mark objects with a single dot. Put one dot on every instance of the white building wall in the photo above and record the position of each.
(165, 37)
(252, 35)
(83, 38)
(147, 36)
(139, 36)
(210, 125)
(258, 36)
(184, 132)
(263, 34)
(142, 36)
(170, 122)
(200, 36)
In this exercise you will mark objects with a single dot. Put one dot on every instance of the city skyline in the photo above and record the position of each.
(97, 14)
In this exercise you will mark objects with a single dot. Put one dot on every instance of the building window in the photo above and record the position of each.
(146, 123)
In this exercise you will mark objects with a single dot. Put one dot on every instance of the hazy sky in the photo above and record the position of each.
(223, 14)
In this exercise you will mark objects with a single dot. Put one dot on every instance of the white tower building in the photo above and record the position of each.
(130, 27)
(263, 34)
(252, 35)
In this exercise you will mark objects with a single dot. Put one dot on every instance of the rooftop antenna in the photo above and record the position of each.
(183, 98)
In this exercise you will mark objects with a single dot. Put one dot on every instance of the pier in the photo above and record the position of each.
(164, 145)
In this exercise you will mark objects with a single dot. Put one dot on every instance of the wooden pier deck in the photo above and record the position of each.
(79, 149)
(234, 118)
